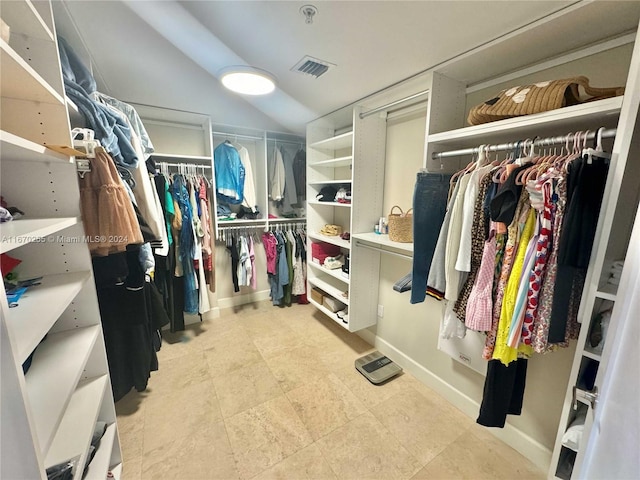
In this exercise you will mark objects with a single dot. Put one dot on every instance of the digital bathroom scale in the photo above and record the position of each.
(377, 368)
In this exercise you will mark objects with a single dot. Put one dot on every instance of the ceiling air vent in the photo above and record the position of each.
(312, 66)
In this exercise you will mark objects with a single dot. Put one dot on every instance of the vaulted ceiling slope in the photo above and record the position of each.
(169, 53)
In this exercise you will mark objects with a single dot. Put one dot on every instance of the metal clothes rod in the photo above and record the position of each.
(387, 252)
(184, 165)
(239, 227)
(287, 220)
(392, 104)
(608, 133)
(291, 142)
(237, 135)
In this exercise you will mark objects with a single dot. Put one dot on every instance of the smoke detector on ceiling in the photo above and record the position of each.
(308, 11)
(312, 66)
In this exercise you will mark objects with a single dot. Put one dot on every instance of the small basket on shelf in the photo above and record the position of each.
(401, 225)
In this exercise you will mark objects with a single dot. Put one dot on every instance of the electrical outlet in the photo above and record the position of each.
(381, 311)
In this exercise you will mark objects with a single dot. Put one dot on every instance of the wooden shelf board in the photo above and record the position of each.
(73, 436)
(383, 241)
(337, 273)
(15, 148)
(40, 307)
(332, 240)
(19, 80)
(334, 162)
(329, 204)
(17, 233)
(330, 289)
(589, 115)
(57, 365)
(100, 464)
(24, 19)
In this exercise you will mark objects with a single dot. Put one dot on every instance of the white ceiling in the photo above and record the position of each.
(168, 53)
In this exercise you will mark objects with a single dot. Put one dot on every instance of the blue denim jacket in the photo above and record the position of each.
(114, 134)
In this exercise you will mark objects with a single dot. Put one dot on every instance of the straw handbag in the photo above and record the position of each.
(537, 98)
(401, 225)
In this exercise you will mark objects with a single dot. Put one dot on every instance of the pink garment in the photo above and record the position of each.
(269, 241)
(480, 303)
(252, 258)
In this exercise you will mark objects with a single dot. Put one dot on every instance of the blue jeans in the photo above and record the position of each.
(429, 206)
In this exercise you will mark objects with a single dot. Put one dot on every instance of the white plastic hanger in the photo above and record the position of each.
(87, 143)
(598, 151)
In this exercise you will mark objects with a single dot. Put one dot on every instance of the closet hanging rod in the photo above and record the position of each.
(393, 104)
(184, 165)
(291, 142)
(287, 220)
(237, 135)
(239, 227)
(381, 250)
(608, 133)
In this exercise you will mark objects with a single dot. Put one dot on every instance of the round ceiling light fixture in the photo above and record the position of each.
(247, 80)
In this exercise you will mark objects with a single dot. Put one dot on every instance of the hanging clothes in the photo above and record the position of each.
(248, 189)
(526, 266)
(186, 246)
(300, 175)
(131, 313)
(229, 174)
(276, 174)
(299, 272)
(252, 260)
(108, 216)
(290, 195)
(429, 209)
(588, 179)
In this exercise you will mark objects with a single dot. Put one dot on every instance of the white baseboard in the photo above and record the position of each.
(243, 299)
(517, 439)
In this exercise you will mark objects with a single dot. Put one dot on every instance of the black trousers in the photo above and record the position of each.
(503, 392)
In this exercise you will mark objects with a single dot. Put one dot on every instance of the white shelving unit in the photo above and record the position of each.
(49, 412)
(343, 149)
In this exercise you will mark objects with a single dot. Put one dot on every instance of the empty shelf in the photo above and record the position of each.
(26, 230)
(57, 365)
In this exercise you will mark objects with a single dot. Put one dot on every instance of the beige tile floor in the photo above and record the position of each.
(270, 393)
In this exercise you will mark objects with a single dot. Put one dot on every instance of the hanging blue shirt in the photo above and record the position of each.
(229, 174)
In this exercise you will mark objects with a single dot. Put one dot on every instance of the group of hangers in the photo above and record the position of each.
(189, 170)
(524, 154)
(279, 227)
(232, 232)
